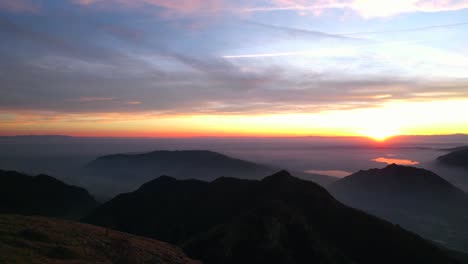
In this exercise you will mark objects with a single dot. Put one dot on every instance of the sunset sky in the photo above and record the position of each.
(169, 68)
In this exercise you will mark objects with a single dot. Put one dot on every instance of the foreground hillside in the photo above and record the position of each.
(46, 241)
(280, 219)
(417, 199)
(42, 195)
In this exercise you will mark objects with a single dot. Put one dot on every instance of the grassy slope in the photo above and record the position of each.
(46, 240)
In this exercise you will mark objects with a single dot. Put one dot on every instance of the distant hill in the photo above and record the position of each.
(42, 195)
(280, 219)
(136, 169)
(40, 240)
(417, 199)
(458, 157)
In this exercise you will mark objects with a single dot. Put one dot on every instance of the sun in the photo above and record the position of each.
(379, 134)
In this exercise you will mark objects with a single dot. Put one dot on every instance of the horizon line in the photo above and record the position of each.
(228, 136)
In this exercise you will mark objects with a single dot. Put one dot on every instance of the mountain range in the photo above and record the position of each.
(279, 219)
(135, 169)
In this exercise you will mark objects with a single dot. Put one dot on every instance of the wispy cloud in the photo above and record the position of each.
(19, 6)
(402, 30)
(265, 55)
(85, 99)
(179, 6)
(133, 102)
(366, 8)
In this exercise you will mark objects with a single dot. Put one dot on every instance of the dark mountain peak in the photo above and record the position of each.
(42, 195)
(47, 178)
(183, 154)
(195, 151)
(284, 181)
(165, 178)
(400, 173)
(458, 158)
(393, 166)
(285, 186)
(166, 183)
(282, 175)
(408, 196)
(228, 180)
(160, 181)
(153, 158)
(397, 181)
(390, 169)
(402, 168)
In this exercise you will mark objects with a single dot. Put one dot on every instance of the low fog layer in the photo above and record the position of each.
(65, 157)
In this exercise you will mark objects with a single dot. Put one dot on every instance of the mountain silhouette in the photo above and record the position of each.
(136, 169)
(279, 219)
(26, 239)
(458, 158)
(42, 195)
(417, 199)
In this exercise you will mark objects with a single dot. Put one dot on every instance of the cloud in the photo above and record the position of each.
(85, 99)
(19, 6)
(385, 8)
(139, 63)
(71, 76)
(213, 87)
(133, 103)
(177, 7)
(123, 33)
(365, 8)
(403, 30)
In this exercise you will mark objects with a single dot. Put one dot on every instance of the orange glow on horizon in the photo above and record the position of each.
(381, 123)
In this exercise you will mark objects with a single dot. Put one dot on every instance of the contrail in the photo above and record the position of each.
(338, 51)
(284, 54)
(313, 33)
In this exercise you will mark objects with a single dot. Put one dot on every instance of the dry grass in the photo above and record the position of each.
(44, 240)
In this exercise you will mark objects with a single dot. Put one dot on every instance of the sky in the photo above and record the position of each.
(166, 68)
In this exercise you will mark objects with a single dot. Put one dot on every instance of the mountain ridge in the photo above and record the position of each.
(135, 169)
(279, 219)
